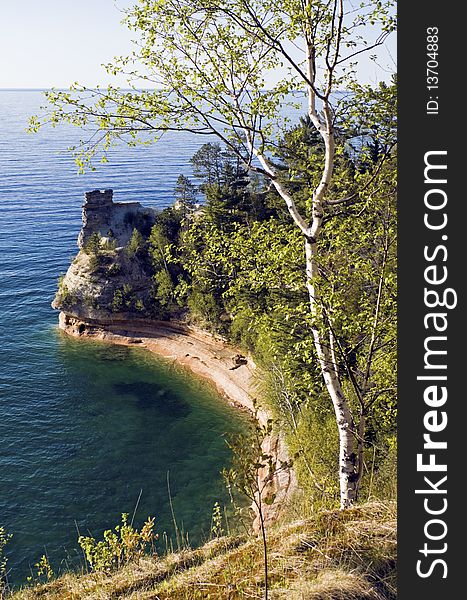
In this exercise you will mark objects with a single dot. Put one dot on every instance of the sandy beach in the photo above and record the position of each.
(206, 356)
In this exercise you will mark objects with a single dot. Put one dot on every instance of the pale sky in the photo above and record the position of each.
(53, 43)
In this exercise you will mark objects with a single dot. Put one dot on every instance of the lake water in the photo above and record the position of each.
(85, 426)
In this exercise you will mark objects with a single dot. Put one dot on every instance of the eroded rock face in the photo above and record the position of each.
(111, 282)
(113, 220)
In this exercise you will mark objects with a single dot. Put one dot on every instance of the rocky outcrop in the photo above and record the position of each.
(109, 280)
(111, 286)
(113, 221)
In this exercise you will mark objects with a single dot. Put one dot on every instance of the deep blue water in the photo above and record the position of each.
(84, 426)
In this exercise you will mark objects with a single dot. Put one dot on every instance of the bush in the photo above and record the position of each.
(93, 244)
(139, 305)
(117, 302)
(168, 224)
(314, 443)
(382, 480)
(94, 262)
(244, 328)
(44, 570)
(65, 296)
(119, 547)
(123, 298)
(205, 307)
(109, 244)
(114, 269)
(4, 538)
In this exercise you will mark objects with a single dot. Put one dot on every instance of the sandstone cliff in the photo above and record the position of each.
(111, 277)
(113, 221)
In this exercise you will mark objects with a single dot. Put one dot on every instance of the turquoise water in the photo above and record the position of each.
(98, 424)
(85, 426)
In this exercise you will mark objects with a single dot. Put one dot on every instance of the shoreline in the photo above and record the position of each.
(206, 356)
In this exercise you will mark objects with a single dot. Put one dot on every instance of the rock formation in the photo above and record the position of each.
(110, 279)
(113, 220)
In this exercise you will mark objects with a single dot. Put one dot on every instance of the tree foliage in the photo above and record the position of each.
(185, 195)
(254, 278)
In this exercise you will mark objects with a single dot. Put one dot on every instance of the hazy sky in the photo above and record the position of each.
(45, 43)
(53, 43)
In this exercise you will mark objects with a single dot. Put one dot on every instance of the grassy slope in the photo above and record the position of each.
(336, 555)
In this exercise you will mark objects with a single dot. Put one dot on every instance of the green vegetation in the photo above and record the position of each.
(93, 248)
(241, 276)
(211, 60)
(119, 547)
(114, 269)
(251, 474)
(185, 195)
(64, 295)
(44, 571)
(99, 250)
(235, 267)
(123, 298)
(93, 244)
(4, 537)
(345, 555)
(136, 243)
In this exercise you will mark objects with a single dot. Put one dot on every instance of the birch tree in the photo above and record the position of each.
(209, 65)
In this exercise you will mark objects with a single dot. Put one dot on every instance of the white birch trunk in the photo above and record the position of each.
(348, 474)
(348, 468)
(344, 420)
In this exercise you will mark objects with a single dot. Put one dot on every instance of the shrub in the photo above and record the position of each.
(109, 245)
(123, 298)
(114, 269)
(43, 569)
(94, 262)
(139, 305)
(382, 480)
(65, 296)
(4, 537)
(136, 243)
(117, 302)
(93, 244)
(217, 529)
(315, 444)
(203, 305)
(119, 547)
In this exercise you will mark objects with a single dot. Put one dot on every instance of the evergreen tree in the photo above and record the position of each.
(185, 195)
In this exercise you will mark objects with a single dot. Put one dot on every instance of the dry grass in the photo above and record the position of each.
(348, 555)
(330, 585)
